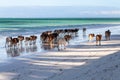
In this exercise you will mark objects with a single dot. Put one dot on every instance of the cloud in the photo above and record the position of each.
(112, 12)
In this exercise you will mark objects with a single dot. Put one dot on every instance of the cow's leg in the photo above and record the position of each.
(96, 42)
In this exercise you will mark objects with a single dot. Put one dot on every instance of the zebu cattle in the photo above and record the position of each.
(11, 42)
(27, 40)
(84, 32)
(107, 34)
(8, 42)
(67, 38)
(33, 39)
(61, 43)
(20, 38)
(51, 38)
(59, 31)
(91, 36)
(44, 36)
(15, 42)
(76, 31)
(30, 40)
(98, 39)
(48, 39)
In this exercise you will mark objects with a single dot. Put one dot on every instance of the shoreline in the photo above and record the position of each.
(80, 61)
(80, 39)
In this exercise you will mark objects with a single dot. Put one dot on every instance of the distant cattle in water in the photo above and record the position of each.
(84, 31)
(98, 39)
(71, 31)
(91, 36)
(107, 34)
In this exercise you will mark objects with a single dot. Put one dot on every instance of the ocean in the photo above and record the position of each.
(35, 26)
(20, 26)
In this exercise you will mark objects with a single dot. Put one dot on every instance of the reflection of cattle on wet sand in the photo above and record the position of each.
(91, 36)
(107, 34)
(12, 52)
(98, 39)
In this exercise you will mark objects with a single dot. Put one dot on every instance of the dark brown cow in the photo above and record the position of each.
(98, 39)
(91, 36)
(67, 38)
(107, 34)
(21, 38)
(15, 42)
(84, 31)
(59, 31)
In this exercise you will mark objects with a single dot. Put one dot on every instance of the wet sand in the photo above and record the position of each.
(82, 60)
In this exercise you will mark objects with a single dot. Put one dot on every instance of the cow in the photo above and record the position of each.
(8, 42)
(91, 36)
(107, 34)
(98, 39)
(67, 38)
(15, 42)
(20, 38)
(61, 43)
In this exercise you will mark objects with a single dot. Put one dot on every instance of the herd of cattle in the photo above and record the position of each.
(57, 38)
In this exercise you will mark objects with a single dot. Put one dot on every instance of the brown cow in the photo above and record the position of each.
(98, 39)
(107, 34)
(91, 36)
(33, 39)
(15, 42)
(20, 38)
(67, 38)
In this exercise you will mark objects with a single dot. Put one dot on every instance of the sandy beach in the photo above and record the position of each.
(80, 61)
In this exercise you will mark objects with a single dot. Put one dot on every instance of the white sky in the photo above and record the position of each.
(66, 8)
(111, 3)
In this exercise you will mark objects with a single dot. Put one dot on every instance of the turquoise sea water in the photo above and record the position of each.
(15, 26)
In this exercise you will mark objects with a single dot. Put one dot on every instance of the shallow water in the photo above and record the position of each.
(30, 27)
